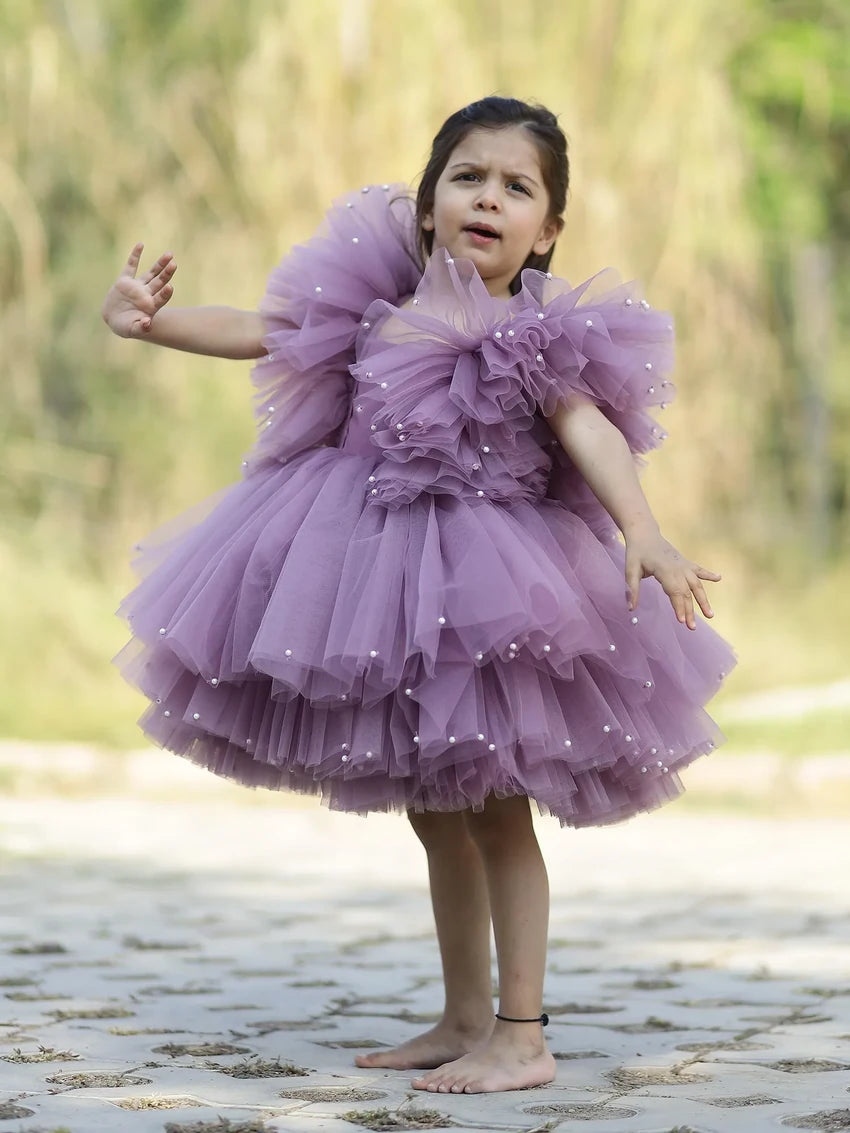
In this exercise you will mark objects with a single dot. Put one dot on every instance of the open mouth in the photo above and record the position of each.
(482, 233)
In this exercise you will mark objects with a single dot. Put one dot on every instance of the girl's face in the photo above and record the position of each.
(493, 179)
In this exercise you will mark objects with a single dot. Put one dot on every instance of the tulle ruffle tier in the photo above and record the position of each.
(423, 657)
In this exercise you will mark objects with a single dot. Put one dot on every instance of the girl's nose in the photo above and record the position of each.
(487, 198)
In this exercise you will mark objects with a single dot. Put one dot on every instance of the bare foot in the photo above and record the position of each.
(505, 1062)
(441, 1044)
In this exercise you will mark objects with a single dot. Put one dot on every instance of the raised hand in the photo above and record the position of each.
(650, 554)
(131, 304)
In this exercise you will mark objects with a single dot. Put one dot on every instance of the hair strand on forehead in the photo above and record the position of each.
(496, 113)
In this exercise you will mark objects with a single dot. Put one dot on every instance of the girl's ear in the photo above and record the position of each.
(428, 221)
(548, 235)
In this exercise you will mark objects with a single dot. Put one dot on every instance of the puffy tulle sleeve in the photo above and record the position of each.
(312, 308)
(601, 342)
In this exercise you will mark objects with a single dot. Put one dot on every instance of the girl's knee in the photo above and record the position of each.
(501, 824)
(435, 828)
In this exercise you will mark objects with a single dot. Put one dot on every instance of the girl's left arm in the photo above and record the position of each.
(600, 452)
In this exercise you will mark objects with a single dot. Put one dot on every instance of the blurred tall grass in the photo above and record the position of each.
(708, 146)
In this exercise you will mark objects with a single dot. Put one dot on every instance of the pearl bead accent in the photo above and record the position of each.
(441, 620)
(369, 754)
(167, 712)
(651, 389)
(513, 645)
(373, 652)
(722, 675)
(479, 492)
(269, 409)
(612, 647)
(511, 655)
(628, 302)
(359, 408)
(355, 239)
(548, 275)
(644, 304)
(244, 463)
(408, 692)
(568, 743)
(415, 302)
(344, 696)
(647, 684)
(481, 735)
(665, 769)
(373, 428)
(653, 751)
(371, 479)
(365, 189)
(540, 315)
(214, 681)
(399, 427)
(588, 322)
(479, 656)
(498, 334)
(365, 325)
(669, 751)
(476, 467)
(374, 492)
(402, 436)
(547, 648)
(416, 739)
(318, 290)
(346, 747)
(491, 747)
(647, 365)
(452, 739)
(628, 739)
(539, 357)
(386, 188)
(383, 385)
(485, 448)
(196, 715)
(606, 727)
(248, 742)
(449, 260)
(344, 759)
(511, 333)
(349, 205)
(634, 621)
(287, 652)
(660, 763)
(162, 631)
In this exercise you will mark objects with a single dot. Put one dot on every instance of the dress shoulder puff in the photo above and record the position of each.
(312, 308)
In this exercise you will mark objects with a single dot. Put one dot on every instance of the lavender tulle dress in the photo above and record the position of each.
(412, 598)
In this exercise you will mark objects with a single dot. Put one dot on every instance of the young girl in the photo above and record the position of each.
(413, 598)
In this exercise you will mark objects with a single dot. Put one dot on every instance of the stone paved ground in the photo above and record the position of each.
(196, 963)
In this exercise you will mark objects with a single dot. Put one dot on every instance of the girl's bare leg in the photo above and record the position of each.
(462, 916)
(515, 1055)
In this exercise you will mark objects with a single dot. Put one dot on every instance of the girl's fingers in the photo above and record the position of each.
(133, 261)
(701, 597)
(162, 278)
(154, 271)
(162, 296)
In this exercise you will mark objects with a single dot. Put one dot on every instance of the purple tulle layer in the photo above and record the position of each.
(411, 599)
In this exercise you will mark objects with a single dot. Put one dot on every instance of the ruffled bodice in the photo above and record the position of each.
(449, 392)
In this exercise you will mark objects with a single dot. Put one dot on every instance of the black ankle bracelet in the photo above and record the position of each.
(542, 1019)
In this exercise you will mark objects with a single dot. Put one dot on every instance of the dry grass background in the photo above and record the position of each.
(221, 132)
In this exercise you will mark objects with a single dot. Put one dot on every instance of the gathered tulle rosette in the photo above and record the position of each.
(425, 616)
(443, 421)
(313, 306)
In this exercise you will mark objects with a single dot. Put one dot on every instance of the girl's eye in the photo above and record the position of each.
(512, 184)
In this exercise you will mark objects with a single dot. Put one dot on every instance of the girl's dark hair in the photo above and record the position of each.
(494, 113)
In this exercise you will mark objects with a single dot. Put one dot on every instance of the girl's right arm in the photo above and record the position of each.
(133, 309)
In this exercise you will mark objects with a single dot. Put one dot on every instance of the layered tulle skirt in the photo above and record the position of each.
(290, 634)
